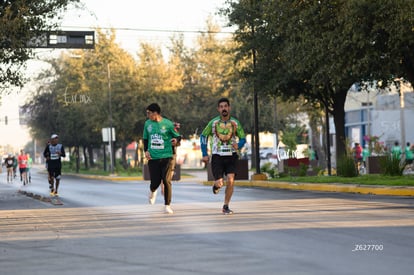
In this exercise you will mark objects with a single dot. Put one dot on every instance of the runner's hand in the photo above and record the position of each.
(205, 159)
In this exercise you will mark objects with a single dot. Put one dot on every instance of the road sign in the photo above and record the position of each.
(106, 135)
(64, 40)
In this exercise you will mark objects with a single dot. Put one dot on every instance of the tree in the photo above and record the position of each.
(123, 93)
(80, 96)
(318, 49)
(207, 73)
(21, 21)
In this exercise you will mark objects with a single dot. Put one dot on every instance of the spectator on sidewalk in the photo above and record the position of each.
(396, 150)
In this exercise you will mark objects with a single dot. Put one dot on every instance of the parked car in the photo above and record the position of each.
(266, 152)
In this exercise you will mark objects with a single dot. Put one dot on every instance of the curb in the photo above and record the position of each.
(334, 187)
(35, 196)
(111, 178)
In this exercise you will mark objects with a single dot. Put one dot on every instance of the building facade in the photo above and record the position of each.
(384, 113)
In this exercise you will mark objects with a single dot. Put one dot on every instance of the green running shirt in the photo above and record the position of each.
(159, 135)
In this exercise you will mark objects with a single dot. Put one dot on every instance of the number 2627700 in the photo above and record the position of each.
(368, 247)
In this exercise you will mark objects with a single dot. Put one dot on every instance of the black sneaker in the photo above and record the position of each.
(216, 189)
(227, 210)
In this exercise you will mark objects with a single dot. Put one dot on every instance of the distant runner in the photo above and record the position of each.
(53, 154)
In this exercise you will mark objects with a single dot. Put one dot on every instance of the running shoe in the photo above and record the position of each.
(152, 196)
(52, 192)
(226, 210)
(216, 189)
(168, 210)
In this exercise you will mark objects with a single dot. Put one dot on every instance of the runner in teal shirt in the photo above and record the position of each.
(409, 156)
(29, 167)
(159, 138)
(396, 150)
(365, 154)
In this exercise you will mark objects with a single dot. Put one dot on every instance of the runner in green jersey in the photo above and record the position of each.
(227, 138)
(159, 138)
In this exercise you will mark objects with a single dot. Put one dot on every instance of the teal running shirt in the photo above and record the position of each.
(159, 135)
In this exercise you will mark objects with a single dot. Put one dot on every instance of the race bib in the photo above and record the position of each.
(54, 156)
(157, 144)
(54, 150)
(225, 150)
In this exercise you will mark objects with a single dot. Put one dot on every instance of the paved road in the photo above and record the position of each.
(107, 227)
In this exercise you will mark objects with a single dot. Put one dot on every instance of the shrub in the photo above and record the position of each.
(269, 169)
(392, 166)
(346, 167)
(303, 169)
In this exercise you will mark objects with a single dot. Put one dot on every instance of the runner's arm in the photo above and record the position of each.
(46, 152)
(207, 131)
(241, 143)
(145, 145)
(203, 144)
(62, 152)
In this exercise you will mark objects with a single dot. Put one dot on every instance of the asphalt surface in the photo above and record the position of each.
(201, 176)
(9, 199)
(272, 232)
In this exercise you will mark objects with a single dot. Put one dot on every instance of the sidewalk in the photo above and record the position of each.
(201, 176)
(334, 187)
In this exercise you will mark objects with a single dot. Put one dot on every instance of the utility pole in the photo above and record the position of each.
(111, 138)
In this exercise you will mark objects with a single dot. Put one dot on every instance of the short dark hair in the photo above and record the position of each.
(223, 99)
(154, 107)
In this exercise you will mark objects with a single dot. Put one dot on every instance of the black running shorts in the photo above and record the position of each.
(223, 165)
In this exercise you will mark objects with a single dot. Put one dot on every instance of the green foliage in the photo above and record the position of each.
(318, 49)
(293, 135)
(291, 171)
(406, 180)
(70, 167)
(392, 166)
(269, 169)
(187, 88)
(346, 167)
(20, 21)
(317, 170)
(303, 169)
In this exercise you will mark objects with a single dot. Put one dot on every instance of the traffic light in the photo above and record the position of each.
(63, 40)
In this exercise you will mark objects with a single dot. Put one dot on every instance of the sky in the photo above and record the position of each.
(135, 21)
(153, 21)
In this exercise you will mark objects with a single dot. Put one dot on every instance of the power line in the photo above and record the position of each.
(151, 30)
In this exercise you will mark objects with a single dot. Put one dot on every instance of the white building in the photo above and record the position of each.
(380, 112)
